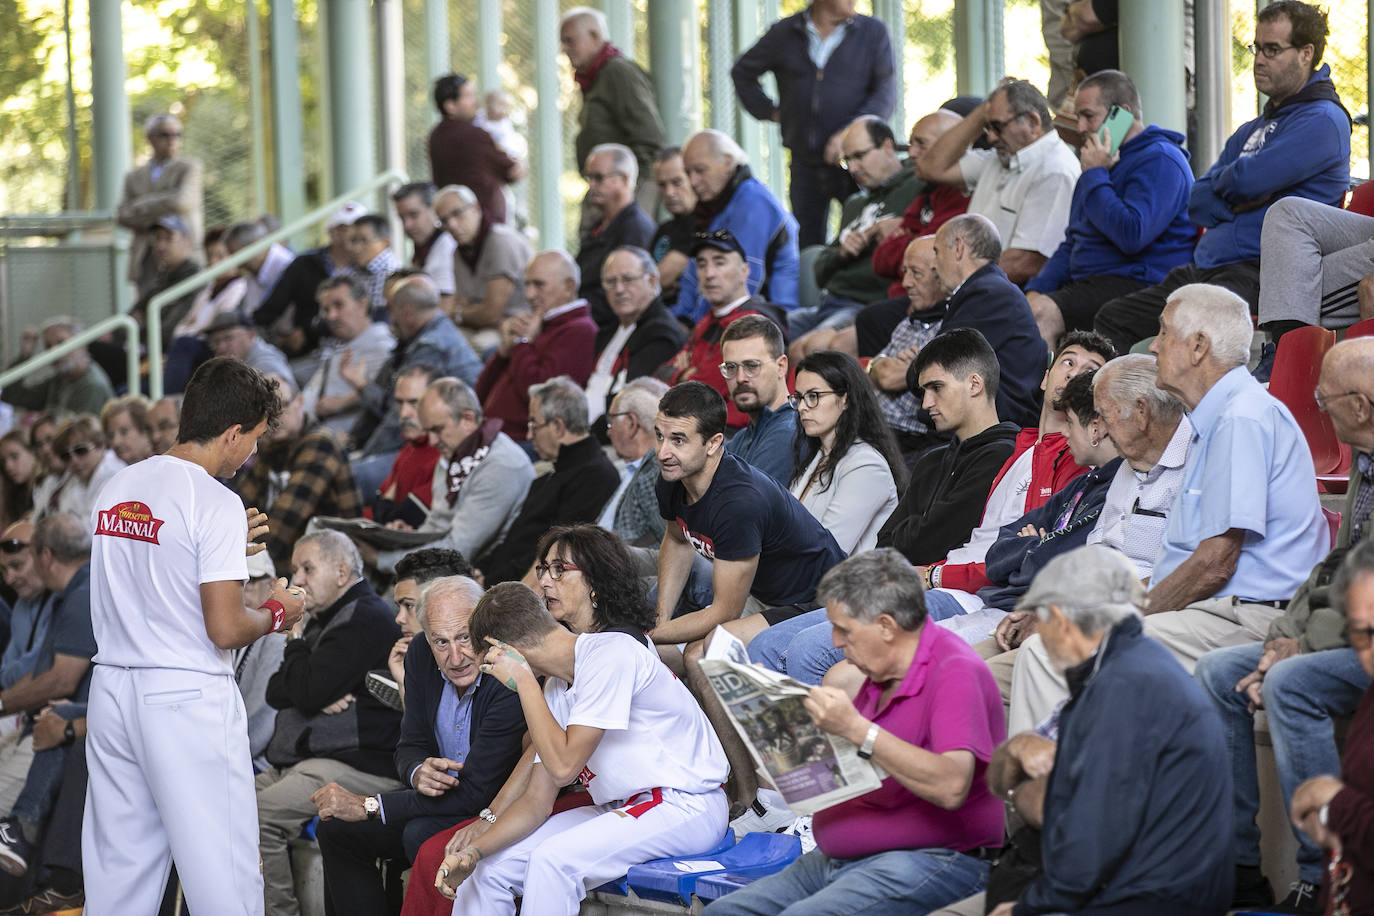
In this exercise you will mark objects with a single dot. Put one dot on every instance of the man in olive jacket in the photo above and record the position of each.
(1305, 673)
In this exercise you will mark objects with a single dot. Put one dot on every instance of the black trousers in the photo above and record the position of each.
(352, 881)
(1130, 319)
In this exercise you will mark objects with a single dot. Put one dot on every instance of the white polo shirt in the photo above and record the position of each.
(1027, 199)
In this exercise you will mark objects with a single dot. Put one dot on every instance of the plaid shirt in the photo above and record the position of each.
(295, 481)
(901, 409)
(377, 270)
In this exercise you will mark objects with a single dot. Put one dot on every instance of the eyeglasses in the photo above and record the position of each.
(611, 417)
(996, 127)
(530, 424)
(613, 282)
(554, 570)
(12, 545)
(751, 368)
(1359, 637)
(76, 451)
(167, 135)
(855, 158)
(809, 398)
(1270, 51)
(598, 177)
(1324, 399)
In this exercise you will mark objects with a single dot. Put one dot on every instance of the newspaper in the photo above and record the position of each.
(811, 769)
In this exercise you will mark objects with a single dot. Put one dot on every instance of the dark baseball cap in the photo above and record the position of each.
(173, 223)
(226, 320)
(720, 240)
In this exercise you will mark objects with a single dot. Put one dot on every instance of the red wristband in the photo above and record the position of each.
(278, 613)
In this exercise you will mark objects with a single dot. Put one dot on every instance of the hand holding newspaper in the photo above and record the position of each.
(811, 769)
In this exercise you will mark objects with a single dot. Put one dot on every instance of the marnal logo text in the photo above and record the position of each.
(132, 520)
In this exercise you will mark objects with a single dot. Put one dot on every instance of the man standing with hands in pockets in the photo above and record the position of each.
(167, 739)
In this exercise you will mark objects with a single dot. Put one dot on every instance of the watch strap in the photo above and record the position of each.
(866, 749)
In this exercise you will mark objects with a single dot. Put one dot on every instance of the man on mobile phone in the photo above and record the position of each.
(1128, 223)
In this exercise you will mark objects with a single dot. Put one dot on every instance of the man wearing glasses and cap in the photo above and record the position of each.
(722, 271)
(166, 185)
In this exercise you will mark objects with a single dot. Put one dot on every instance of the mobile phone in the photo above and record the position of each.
(1117, 122)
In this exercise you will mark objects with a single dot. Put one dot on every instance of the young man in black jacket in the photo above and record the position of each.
(443, 687)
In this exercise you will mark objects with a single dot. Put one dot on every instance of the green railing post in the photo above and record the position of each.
(675, 49)
(287, 139)
(76, 342)
(548, 120)
(1151, 41)
(978, 46)
(109, 105)
(352, 128)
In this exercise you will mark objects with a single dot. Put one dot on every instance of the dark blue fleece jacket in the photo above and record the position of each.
(1300, 148)
(1131, 221)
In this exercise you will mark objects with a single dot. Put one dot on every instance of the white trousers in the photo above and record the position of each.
(171, 778)
(577, 850)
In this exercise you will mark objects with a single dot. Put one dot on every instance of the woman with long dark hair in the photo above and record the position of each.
(19, 470)
(846, 468)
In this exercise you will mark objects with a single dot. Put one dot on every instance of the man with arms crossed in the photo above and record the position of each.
(167, 737)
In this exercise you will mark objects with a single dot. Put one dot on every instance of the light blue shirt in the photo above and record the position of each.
(28, 632)
(820, 48)
(453, 724)
(607, 519)
(1249, 467)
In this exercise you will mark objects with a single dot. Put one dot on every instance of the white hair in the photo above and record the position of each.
(722, 145)
(1131, 378)
(622, 158)
(464, 194)
(595, 18)
(445, 588)
(1221, 315)
(157, 120)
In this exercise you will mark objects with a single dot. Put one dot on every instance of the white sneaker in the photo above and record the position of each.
(768, 814)
(801, 829)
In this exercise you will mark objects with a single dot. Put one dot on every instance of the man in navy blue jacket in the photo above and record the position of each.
(1298, 147)
(831, 66)
(443, 690)
(1128, 222)
(980, 296)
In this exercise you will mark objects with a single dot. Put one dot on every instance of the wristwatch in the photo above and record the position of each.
(69, 735)
(487, 815)
(1324, 814)
(372, 807)
(866, 749)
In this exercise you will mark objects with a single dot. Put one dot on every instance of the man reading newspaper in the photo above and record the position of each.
(930, 715)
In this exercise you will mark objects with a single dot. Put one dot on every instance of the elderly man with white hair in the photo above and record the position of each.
(168, 184)
(611, 173)
(1162, 846)
(729, 198)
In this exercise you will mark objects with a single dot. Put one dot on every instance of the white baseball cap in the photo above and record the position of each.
(346, 215)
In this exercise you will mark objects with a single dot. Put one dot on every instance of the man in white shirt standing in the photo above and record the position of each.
(611, 716)
(167, 738)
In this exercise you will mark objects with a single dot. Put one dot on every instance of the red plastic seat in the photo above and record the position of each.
(1362, 199)
(1360, 329)
(1297, 366)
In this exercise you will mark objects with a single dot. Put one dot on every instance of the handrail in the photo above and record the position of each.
(153, 319)
(77, 341)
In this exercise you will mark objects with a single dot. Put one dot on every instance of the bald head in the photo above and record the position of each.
(920, 278)
(710, 158)
(927, 130)
(1351, 363)
(551, 279)
(1345, 391)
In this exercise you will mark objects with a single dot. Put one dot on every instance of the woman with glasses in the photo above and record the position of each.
(846, 467)
(19, 471)
(80, 445)
(126, 426)
(581, 573)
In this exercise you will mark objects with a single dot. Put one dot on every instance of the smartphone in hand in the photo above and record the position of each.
(1117, 122)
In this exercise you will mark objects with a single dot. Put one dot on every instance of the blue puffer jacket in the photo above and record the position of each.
(1300, 148)
(1131, 221)
(769, 236)
(1138, 805)
(1066, 518)
(813, 104)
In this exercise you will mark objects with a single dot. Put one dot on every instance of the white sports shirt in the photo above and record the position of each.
(656, 735)
(162, 528)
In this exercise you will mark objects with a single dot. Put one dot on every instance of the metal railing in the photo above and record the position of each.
(75, 342)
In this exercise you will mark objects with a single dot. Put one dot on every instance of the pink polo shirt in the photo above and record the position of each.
(947, 701)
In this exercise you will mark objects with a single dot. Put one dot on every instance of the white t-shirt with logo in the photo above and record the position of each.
(162, 528)
(656, 735)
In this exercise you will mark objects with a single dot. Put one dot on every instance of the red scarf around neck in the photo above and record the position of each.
(586, 76)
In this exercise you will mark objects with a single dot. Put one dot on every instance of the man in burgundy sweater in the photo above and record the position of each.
(556, 337)
(462, 153)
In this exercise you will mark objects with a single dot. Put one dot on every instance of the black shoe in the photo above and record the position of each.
(1252, 889)
(1301, 899)
(15, 851)
(1265, 367)
(47, 900)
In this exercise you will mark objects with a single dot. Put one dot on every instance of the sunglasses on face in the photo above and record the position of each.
(76, 451)
(12, 545)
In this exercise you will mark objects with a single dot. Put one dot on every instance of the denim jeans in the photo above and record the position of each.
(1301, 694)
(36, 799)
(833, 312)
(370, 472)
(910, 882)
(812, 187)
(802, 648)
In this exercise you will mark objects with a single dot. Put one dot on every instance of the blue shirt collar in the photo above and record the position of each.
(1208, 410)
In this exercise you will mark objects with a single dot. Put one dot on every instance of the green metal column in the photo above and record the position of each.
(978, 49)
(719, 59)
(258, 118)
(893, 16)
(548, 149)
(620, 22)
(748, 131)
(436, 43)
(777, 183)
(489, 43)
(1152, 53)
(287, 139)
(109, 105)
(352, 126)
(675, 49)
(1369, 80)
(1212, 40)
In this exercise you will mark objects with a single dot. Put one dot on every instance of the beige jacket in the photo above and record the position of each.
(144, 201)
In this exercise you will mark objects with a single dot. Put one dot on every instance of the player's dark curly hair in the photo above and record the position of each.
(227, 392)
(619, 598)
(424, 566)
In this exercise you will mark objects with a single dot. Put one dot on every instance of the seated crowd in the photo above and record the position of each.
(996, 485)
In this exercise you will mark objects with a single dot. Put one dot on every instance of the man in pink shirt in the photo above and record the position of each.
(929, 714)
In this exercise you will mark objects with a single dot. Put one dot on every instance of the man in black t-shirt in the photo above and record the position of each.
(762, 543)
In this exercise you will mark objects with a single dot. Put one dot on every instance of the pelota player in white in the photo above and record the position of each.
(167, 741)
(610, 715)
